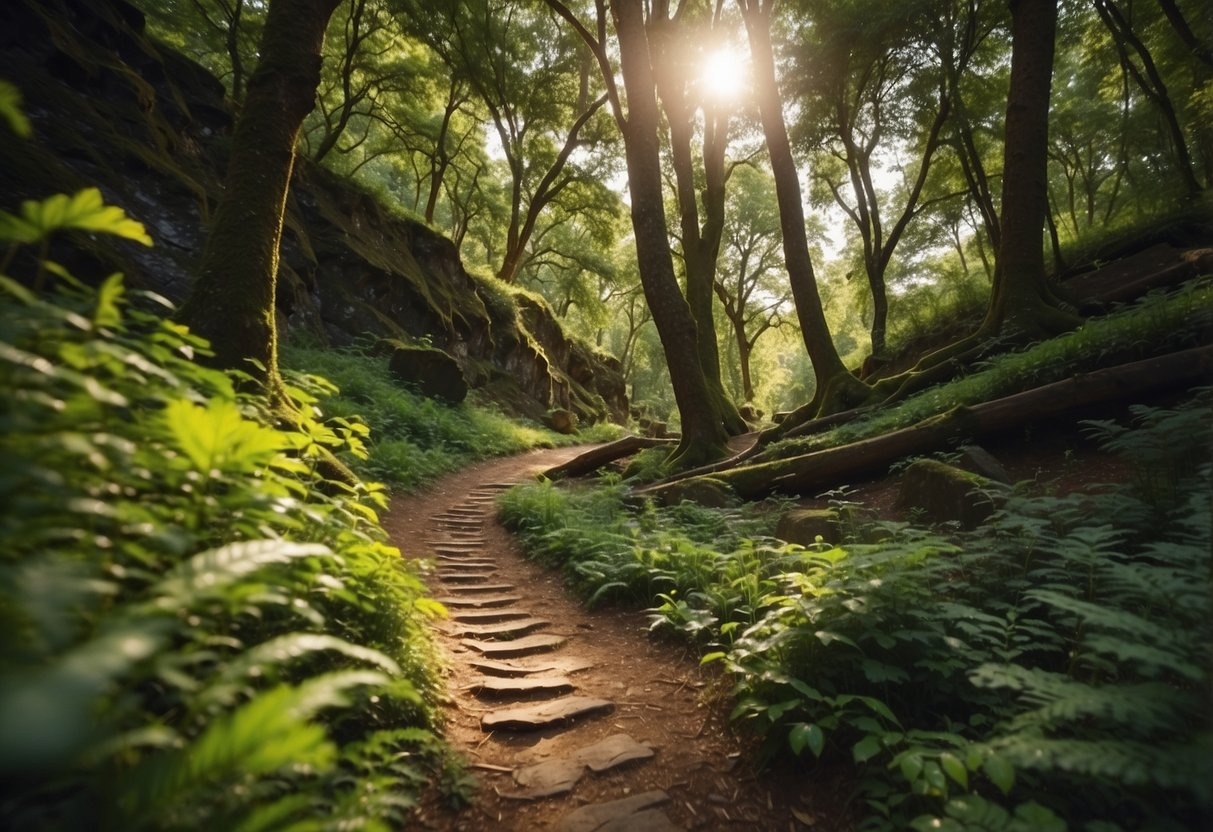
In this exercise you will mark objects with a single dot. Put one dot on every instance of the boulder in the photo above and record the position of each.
(750, 413)
(946, 493)
(980, 461)
(807, 525)
(432, 372)
(561, 421)
(701, 490)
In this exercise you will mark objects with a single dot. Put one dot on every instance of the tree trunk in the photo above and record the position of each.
(232, 303)
(594, 459)
(837, 389)
(822, 469)
(1022, 301)
(703, 434)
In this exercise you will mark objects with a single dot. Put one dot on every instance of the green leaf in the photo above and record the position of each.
(1000, 772)
(955, 768)
(11, 112)
(708, 658)
(83, 211)
(219, 437)
(805, 735)
(866, 748)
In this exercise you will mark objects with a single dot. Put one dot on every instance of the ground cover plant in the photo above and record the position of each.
(1159, 323)
(1049, 670)
(199, 630)
(418, 439)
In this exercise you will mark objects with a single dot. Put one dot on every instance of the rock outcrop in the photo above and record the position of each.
(114, 109)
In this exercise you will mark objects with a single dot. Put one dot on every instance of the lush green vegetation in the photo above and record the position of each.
(1157, 324)
(199, 630)
(418, 439)
(1050, 668)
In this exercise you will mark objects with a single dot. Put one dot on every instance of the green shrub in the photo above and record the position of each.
(418, 439)
(1049, 668)
(198, 631)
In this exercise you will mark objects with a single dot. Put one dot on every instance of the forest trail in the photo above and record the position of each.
(573, 720)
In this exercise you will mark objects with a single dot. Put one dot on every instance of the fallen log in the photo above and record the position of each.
(827, 468)
(595, 458)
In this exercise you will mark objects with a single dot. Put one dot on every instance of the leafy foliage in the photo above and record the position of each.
(198, 630)
(418, 439)
(1048, 669)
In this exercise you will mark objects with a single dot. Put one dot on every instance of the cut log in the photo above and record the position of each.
(595, 458)
(826, 468)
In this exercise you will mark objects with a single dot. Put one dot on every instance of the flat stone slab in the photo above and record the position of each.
(617, 815)
(555, 664)
(524, 646)
(544, 714)
(465, 568)
(560, 774)
(450, 561)
(448, 577)
(485, 588)
(503, 629)
(488, 616)
(496, 687)
(478, 600)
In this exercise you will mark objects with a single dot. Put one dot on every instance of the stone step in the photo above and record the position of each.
(638, 813)
(488, 616)
(544, 714)
(501, 630)
(461, 577)
(548, 664)
(466, 563)
(455, 563)
(475, 588)
(462, 511)
(491, 687)
(525, 646)
(559, 775)
(457, 550)
(478, 600)
(447, 544)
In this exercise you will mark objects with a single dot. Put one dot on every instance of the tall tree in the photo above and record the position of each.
(836, 388)
(749, 284)
(232, 302)
(1138, 62)
(678, 37)
(703, 431)
(1023, 302)
(537, 89)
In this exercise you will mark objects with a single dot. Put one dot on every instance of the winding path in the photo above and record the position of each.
(574, 720)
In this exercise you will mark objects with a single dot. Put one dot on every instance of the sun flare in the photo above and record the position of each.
(722, 74)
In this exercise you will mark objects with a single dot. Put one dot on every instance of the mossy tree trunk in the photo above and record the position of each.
(837, 389)
(703, 432)
(232, 302)
(1023, 303)
(700, 236)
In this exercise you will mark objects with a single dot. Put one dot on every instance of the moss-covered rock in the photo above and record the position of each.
(946, 494)
(807, 526)
(432, 372)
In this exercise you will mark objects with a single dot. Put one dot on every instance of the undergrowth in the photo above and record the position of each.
(1048, 670)
(1158, 323)
(197, 631)
(418, 439)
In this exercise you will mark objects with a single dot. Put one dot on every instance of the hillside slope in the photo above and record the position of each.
(114, 109)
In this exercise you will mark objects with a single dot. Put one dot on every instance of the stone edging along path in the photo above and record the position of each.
(572, 720)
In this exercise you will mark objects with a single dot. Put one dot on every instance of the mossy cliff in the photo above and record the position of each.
(114, 109)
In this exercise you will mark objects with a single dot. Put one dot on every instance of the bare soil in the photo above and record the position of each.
(660, 693)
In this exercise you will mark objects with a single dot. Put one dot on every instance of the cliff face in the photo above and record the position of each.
(115, 110)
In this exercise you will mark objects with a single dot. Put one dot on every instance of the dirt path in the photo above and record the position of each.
(572, 719)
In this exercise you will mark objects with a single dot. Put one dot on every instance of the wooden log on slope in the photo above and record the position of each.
(827, 468)
(595, 458)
